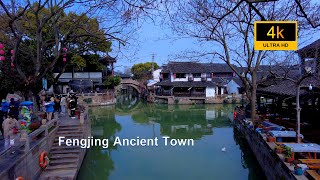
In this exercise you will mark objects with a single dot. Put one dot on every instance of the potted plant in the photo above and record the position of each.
(271, 139)
(279, 149)
(288, 155)
(297, 169)
(33, 126)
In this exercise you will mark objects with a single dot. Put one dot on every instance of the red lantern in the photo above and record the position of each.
(2, 58)
(12, 52)
(64, 54)
(12, 65)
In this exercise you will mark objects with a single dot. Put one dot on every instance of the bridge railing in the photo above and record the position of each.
(24, 142)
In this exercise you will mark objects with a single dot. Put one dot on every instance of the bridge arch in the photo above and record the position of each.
(132, 83)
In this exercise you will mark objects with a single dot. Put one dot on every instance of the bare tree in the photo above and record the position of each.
(227, 26)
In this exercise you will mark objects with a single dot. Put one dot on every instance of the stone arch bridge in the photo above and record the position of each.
(139, 87)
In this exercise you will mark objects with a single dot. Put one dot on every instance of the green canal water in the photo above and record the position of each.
(208, 125)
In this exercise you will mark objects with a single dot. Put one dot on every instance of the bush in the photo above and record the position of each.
(176, 101)
(234, 101)
(112, 81)
(34, 126)
(225, 101)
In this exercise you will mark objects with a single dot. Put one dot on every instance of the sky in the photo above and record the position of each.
(153, 39)
(165, 45)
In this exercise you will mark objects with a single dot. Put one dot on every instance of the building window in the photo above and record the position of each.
(199, 89)
(223, 74)
(197, 75)
(165, 75)
(180, 75)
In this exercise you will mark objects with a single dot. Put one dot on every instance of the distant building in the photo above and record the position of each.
(89, 79)
(156, 75)
(192, 79)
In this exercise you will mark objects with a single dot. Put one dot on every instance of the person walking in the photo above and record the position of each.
(56, 104)
(4, 107)
(49, 108)
(1, 120)
(14, 108)
(68, 105)
(63, 104)
(8, 125)
(72, 106)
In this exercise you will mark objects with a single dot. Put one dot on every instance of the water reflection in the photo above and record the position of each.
(184, 121)
(104, 125)
(247, 160)
(208, 125)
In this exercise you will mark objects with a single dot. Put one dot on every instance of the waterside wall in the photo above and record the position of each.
(194, 100)
(98, 99)
(270, 162)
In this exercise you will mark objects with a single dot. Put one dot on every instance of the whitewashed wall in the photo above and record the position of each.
(210, 92)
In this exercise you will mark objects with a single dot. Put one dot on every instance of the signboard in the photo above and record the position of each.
(275, 35)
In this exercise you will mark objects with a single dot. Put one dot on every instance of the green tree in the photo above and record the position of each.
(78, 61)
(112, 81)
(143, 71)
(38, 33)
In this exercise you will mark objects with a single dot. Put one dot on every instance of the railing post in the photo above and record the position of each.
(81, 118)
(46, 131)
(27, 146)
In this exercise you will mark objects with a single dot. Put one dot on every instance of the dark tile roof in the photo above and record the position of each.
(188, 67)
(195, 67)
(187, 84)
(218, 67)
(287, 87)
(107, 60)
(225, 80)
(309, 48)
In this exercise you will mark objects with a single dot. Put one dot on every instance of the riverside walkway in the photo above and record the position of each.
(65, 161)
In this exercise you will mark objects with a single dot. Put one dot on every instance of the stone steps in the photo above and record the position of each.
(69, 132)
(69, 136)
(65, 161)
(54, 148)
(64, 156)
(65, 151)
(69, 127)
(61, 167)
(63, 144)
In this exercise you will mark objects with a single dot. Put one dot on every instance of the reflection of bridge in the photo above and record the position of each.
(139, 87)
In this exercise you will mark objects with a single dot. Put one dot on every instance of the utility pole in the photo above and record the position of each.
(152, 62)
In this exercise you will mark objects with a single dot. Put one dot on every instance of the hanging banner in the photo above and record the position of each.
(44, 84)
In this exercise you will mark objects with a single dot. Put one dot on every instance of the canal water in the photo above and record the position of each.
(219, 152)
